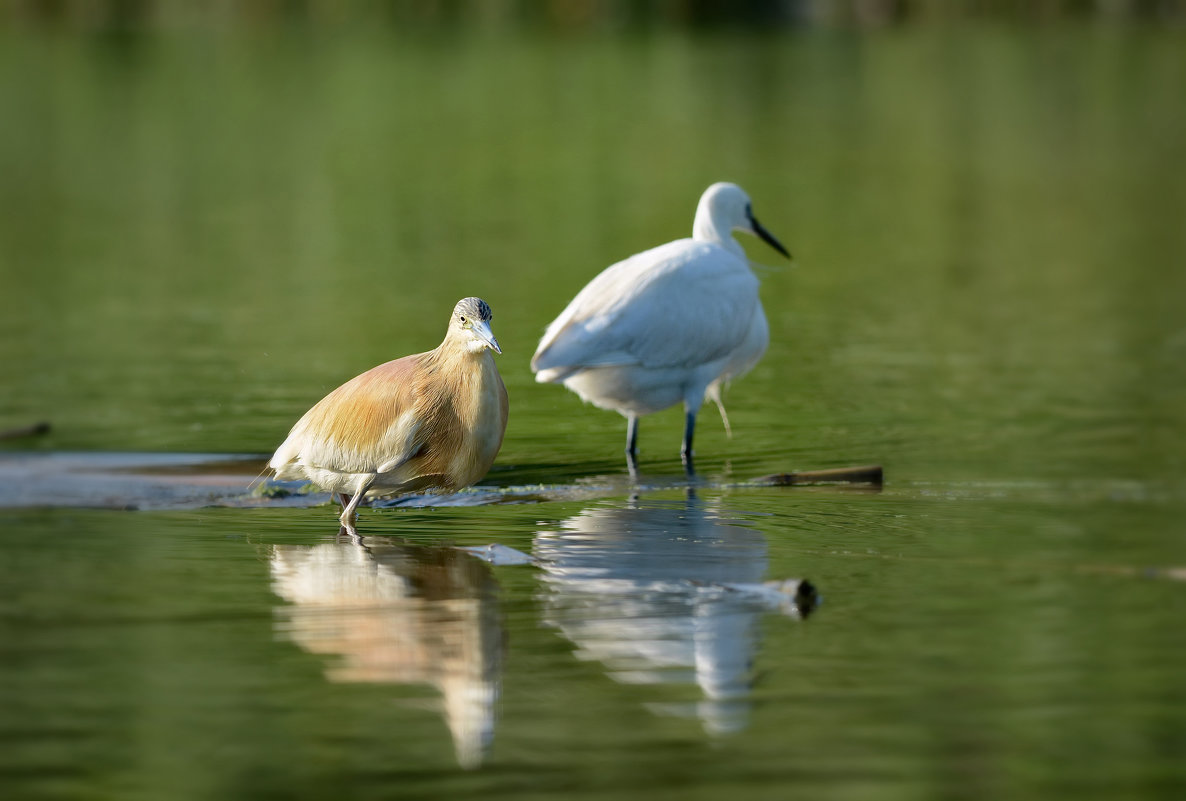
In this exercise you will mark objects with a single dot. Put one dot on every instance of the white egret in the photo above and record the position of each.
(673, 323)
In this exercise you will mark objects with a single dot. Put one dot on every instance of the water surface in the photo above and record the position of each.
(203, 231)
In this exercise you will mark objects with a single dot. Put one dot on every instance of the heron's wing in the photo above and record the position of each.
(677, 305)
(366, 423)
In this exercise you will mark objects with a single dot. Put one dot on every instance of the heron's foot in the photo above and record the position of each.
(348, 530)
(689, 466)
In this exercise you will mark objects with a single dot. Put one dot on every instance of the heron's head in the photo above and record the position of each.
(724, 208)
(471, 321)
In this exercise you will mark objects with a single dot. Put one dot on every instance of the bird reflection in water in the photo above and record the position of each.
(666, 593)
(402, 614)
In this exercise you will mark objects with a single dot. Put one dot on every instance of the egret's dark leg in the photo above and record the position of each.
(632, 445)
(685, 451)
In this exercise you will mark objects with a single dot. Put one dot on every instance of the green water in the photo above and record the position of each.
(202, 231)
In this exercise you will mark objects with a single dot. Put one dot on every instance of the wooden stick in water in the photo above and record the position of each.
(864, 474)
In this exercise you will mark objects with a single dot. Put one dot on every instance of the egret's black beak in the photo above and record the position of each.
(767, 237)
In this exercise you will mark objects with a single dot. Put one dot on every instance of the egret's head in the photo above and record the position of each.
(471, 319)
(724, 208)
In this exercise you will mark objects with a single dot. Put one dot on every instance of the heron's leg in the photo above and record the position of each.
(685, 451)
(350, 511)
(343, 499)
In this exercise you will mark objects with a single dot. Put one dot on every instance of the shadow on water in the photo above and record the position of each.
(666, 593)
(394, 613)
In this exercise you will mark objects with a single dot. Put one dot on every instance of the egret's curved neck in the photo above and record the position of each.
(706, 228)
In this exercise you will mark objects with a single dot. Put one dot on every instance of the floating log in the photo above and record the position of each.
(865, 474)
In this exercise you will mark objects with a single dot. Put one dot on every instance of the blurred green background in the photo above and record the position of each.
(211, 214)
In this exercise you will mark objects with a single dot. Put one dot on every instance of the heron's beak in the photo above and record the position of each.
(767, 237)
(482, 332)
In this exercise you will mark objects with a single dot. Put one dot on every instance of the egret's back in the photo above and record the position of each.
(679, 305)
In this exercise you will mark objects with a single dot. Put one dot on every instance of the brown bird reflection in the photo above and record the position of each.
(401, 614)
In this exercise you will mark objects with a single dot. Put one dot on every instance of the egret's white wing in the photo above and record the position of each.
(681, 304)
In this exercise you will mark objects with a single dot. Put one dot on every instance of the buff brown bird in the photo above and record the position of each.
(432, 420)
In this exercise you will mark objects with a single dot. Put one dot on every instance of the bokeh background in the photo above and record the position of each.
(213, 213)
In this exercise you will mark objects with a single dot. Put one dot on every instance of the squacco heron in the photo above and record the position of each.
(670, 324)
(432, 420)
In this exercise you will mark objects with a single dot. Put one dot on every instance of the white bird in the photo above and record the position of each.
(673, 323)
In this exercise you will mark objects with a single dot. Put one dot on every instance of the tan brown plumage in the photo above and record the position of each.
(433, 420)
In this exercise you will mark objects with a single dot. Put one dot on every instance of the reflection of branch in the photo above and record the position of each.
(400, 614)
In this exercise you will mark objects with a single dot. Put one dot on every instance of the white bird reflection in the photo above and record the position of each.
(666, 592)
(397, 613)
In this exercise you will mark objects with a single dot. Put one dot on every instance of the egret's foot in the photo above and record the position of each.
(632, 464)
(685, 450)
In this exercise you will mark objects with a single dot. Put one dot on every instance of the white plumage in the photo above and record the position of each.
(673, 323)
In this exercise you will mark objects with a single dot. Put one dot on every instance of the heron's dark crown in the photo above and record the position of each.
(474, 308)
